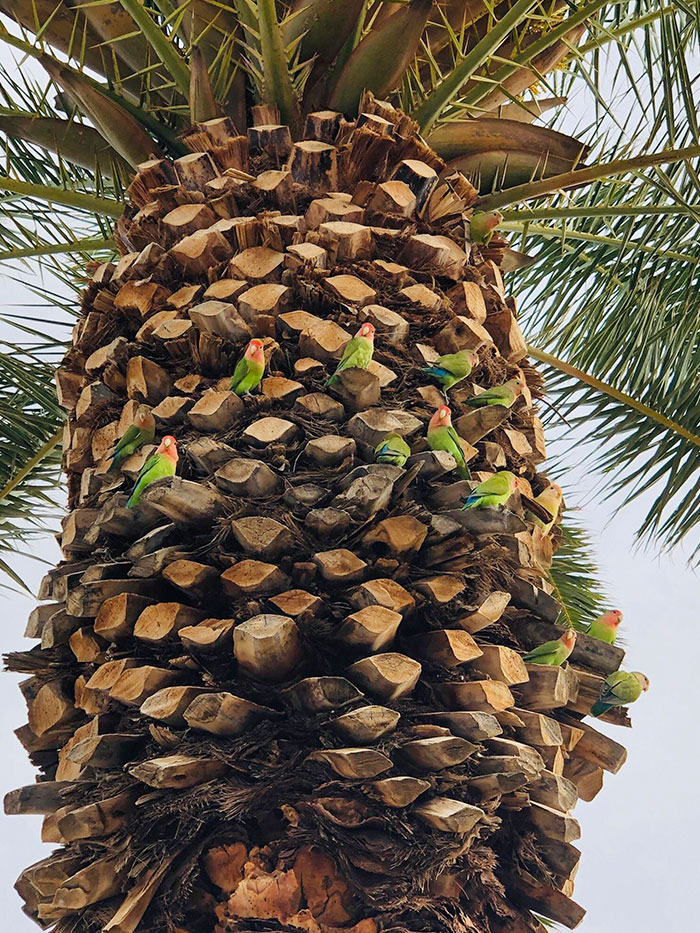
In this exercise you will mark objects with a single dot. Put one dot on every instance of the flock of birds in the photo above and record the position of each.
(620, 688)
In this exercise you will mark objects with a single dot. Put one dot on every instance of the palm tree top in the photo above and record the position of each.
(608, 209)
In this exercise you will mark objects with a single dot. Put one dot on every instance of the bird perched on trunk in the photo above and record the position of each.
(493, 492)
(249, 369)
(161, 464)
(605, 627)
(451, 368)
(393, 449)
(141, 431)
(357, 353)
(505, 394)
(442, 436)
(483, 224)
(619, 689)
(553, 653)
(550, 499)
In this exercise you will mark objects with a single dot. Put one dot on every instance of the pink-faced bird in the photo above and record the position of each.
(162, 463)
(249, 369)
(357, 353)
(554, 652)
(141, 431)
(442, 436)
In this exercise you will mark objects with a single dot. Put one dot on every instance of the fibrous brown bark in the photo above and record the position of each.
(286, 691)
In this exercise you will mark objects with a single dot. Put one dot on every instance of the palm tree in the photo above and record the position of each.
(287, 690)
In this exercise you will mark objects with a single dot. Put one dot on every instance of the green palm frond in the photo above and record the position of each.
(575, 577)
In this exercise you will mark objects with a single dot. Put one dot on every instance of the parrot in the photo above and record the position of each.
(162, 463)
(249, 369)
(393, 449)
(442, 436)
(483, 224)
(494, 491)
(451, 368)
(605, 627)
(140, 432)
(505, 394)
(619, 689)
(357, 353)
(553, 653)
(550, 499)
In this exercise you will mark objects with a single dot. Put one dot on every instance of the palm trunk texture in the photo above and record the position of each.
(286, 692)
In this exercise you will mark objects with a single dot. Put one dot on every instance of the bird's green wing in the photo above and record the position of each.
(549, 647)
(240, 372)
(129, 436)
(627, 689)
(493, 486)
(457, 363)
(455, 438)
(150, 464)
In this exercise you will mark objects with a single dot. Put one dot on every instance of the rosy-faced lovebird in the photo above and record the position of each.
(442, 436)
(393, 449)
(451, 368)
(249, 369)
(482, 226)
(605, 627)
(140, 432)
(504, 394)
(550, 499)
(493, 492)
(357, 353)
(619, 689)
(553, 653)
(162, 463)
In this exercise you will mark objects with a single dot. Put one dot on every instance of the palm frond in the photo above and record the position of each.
(575, 577)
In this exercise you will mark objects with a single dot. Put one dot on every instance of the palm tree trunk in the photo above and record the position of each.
(286, 691)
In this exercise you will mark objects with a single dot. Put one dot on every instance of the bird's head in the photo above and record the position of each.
(144, 419)
(613, 618)
(568, 639)
(366, 331)
(254, 350)
(168, 446)
(643, 680)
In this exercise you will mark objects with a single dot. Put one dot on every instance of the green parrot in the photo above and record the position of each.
(605, 627)
(442, 436)
(393, 449)
(483, 224)
(550, 499)
(140, 432)
(505, 394)
(451, 368)
(553, 653)
(619, 689)
(493, 492)
(249, 369)
(357, 353)
(162, 463)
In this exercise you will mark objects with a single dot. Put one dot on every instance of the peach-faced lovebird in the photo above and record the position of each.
(605, 627)
(451, 368)
(482, 226)
(619, 689)
(553, 652)
(493, 492)
(162, 463)
(393, 449)
(550, 499)
(442, 436)
(249, 369)
(141, 431)
(505, 394)
(357, 353)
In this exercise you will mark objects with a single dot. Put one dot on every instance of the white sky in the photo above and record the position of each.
(639, 868)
